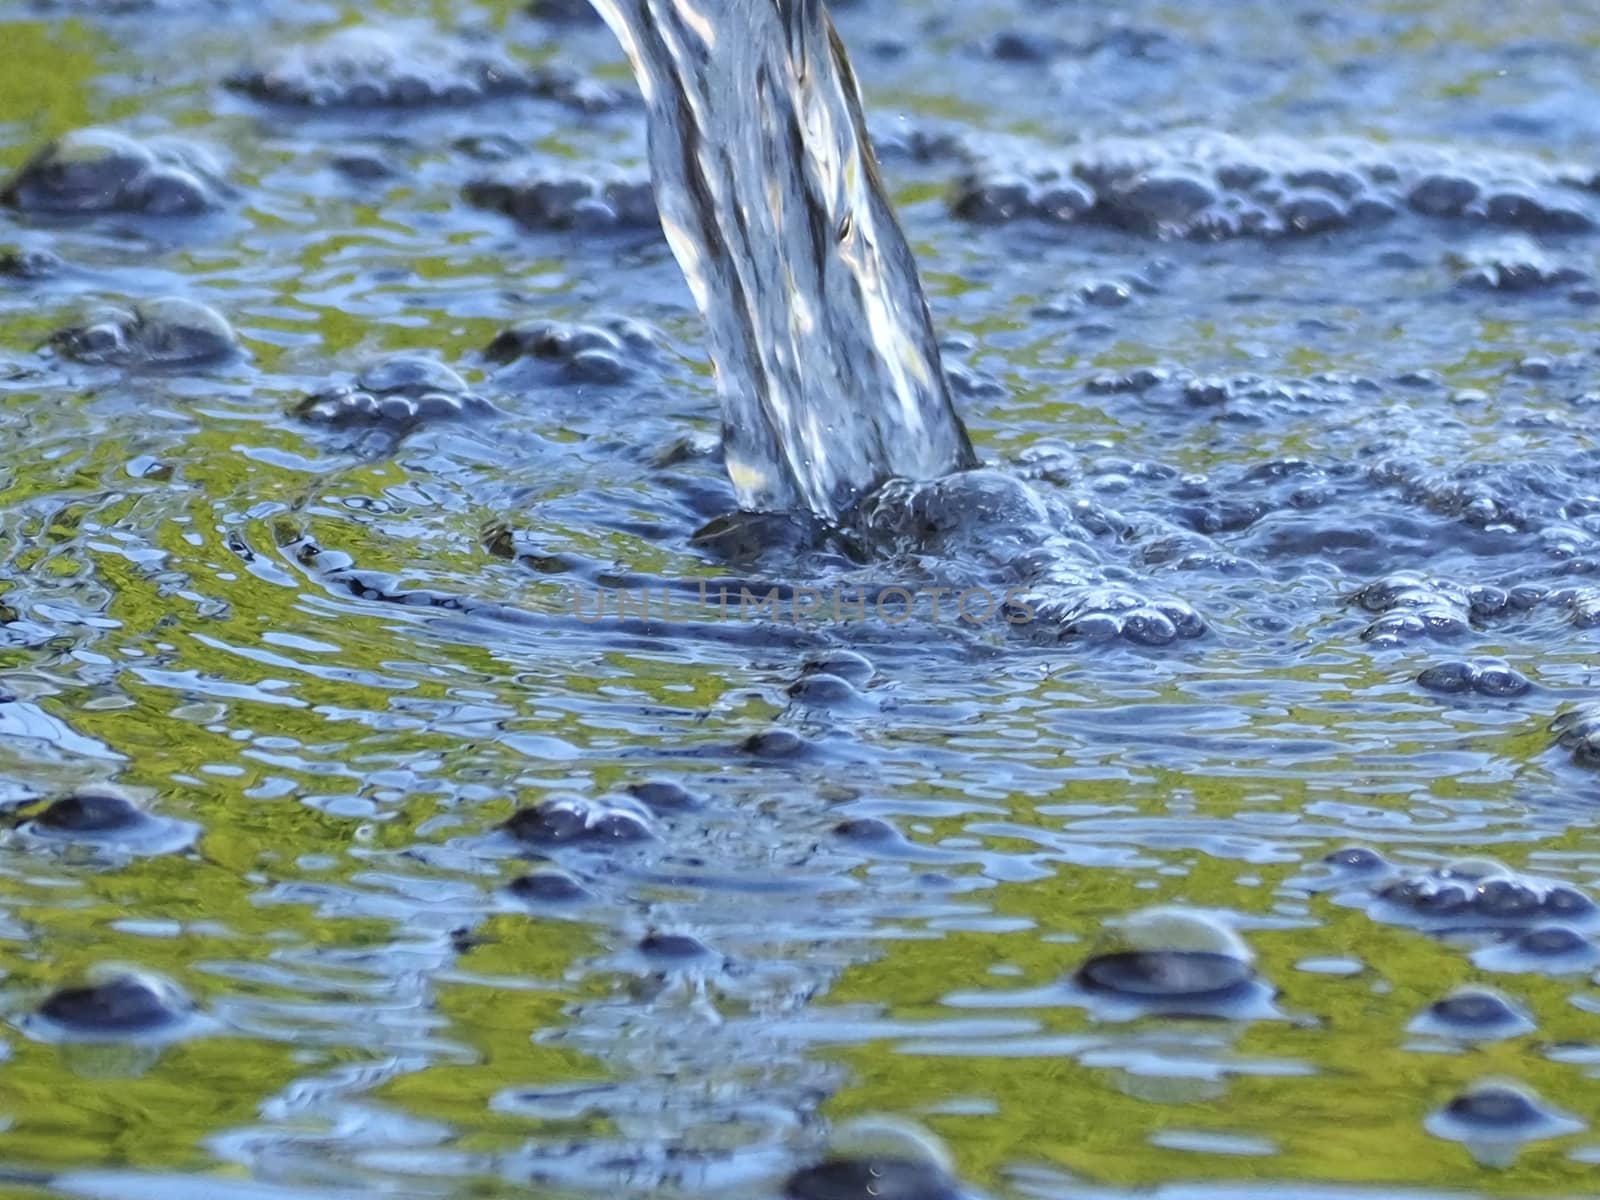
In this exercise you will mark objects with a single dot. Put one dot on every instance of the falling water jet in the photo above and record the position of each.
(826, 360)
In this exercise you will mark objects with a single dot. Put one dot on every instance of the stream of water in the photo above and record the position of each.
(825, 354)
(478, 719)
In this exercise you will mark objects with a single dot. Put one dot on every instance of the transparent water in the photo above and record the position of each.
(203, 591)
(826, 359)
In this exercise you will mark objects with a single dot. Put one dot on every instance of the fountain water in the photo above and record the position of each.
(826, 360)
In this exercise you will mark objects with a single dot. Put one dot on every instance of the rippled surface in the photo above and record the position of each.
(301, 656)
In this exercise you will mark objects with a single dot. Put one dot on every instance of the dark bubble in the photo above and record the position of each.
(364, 166)
(819, 690)
(101, 171)
(1442, 901)
(845, 664)
(1475, 1011)
(91, 812)
(1024, 46)
(1207, 393)
(1107, 294)
(170, 191)
(29, 264)
(873, 1178)
(672, 945)
(1495, 1108)
(867, 830)
(610, 351)
(1149, 627)
(574, 820)
(1210, 187)
(1155, 201)
(1165, 974)
(969, 511)
(1486, 676)
(168, 331)
(1482, 894)
(1442, 195)
(548, 823)
(547, 887)
(664, 796)
(537, 199)
(399, 391)
(1526, 211)
(1498, 679)
(774, 744)
(1448, 677)
(121, 1005)
(1567, 903)
(1101, 614)
(970, 381)
(1357, 858)
(1552, 941)
(1523, 268)
(1142, 379)
(1505, 899)
(1427, 895)
(1309, 213)
(1578, 730)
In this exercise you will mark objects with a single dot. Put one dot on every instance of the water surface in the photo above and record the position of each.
(344, 654)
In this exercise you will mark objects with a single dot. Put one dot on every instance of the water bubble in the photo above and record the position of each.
(1207, 186)
(1545, 950)
(1357, 860)
(91, 812)
(1473, 894)
(399, 391)
(1495, 1117)
(664, 796)
(100, 171)
(1567, 903)
(1174, 961)
(1578, 730)
(1165, 974)
(115, 1003)
(1506, 899)
(875, 1178)
(819, 690)
(547, 887)
(566, 819)
(538, 197)
(406, 372)
(1473, 1013)
(29, 264)
(112, 821)
(1347, 867)
(672, 946)
(845, 664)
(877, 1158)
(1486, 676)
(774, 744)
(867, 831)
(367, 67)
(610, 351)
(169, 331)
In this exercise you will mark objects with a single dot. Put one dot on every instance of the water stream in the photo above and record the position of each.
(368, 826)
(827, 364)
